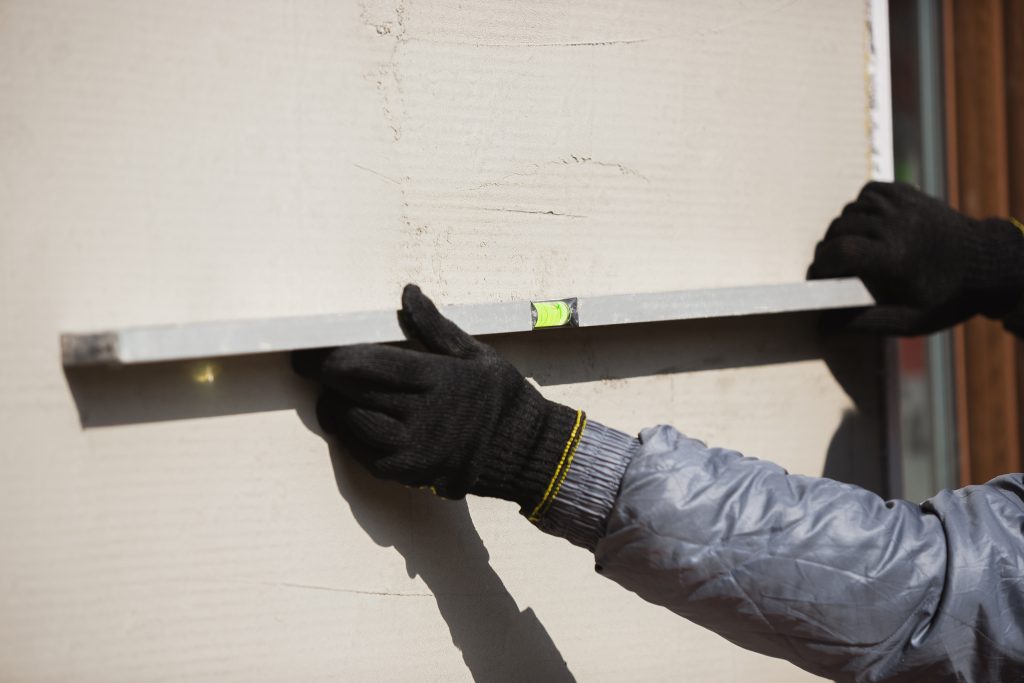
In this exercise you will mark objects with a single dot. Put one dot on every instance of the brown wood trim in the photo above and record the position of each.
(980, 73)
(963, 429)
(1014, 35)
(992, 408)
(963, 426)
(949, 97)
(988, 406)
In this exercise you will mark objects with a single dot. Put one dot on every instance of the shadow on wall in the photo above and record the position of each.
(440, 544)
(437, 538)
(857, 451)
(157, 392)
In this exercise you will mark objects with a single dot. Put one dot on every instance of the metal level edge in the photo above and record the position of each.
(157, 343)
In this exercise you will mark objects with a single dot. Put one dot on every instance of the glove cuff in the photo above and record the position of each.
(1014, 321)
(538, 444)
(996, 267)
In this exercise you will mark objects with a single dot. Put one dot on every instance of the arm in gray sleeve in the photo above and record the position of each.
(826, 575)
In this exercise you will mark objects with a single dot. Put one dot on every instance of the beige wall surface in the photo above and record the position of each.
(195, 160)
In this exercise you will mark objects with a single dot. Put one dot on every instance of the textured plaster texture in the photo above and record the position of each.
(193, 160)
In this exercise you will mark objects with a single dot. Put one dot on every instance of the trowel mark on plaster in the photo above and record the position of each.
(534, 169)
(540, 213)
(335, 589)
(389, 84)
(388, 22)
(623, 169)
(384, 26)
(581, 43)
(747, 16)
(572, 159)
(425, 252)
(309, 586)
(380, 175)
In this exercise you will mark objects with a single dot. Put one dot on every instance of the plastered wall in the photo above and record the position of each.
(192, 160)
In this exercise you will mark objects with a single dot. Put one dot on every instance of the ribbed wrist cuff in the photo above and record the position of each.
(995, 265)
(579, 512)
(1014, 320)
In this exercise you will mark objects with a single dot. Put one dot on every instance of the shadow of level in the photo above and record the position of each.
(107, 396)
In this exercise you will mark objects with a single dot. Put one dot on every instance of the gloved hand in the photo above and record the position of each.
(927, 266)
(457, 417)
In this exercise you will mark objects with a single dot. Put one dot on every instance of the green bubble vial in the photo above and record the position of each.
(552, 313)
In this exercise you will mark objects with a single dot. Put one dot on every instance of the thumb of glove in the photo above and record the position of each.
(424, 323)
(886, 320)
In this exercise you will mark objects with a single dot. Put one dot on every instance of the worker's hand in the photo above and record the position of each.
(927, 266)
(457, 417)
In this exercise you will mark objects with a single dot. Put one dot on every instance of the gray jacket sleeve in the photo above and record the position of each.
(826, 575)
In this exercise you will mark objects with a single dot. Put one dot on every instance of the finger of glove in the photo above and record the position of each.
(896, 192)
(386, 366)
(373, 396)
(874, 188)
(847, 256)
(862, 223)
(358, 427)
(406, 470)
(891, 199)
(887, 320)
(372, 428)
(858, 208)
(425, 323)
(331, 410)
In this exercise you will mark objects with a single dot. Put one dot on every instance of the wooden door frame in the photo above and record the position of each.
(984, 81)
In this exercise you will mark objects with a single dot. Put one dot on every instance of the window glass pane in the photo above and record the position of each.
(926, 404)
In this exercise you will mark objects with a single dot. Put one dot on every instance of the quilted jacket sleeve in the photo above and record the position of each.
(826, 575)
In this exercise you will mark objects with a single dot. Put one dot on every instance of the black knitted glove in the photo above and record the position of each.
(927, 266)
(458, 417)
